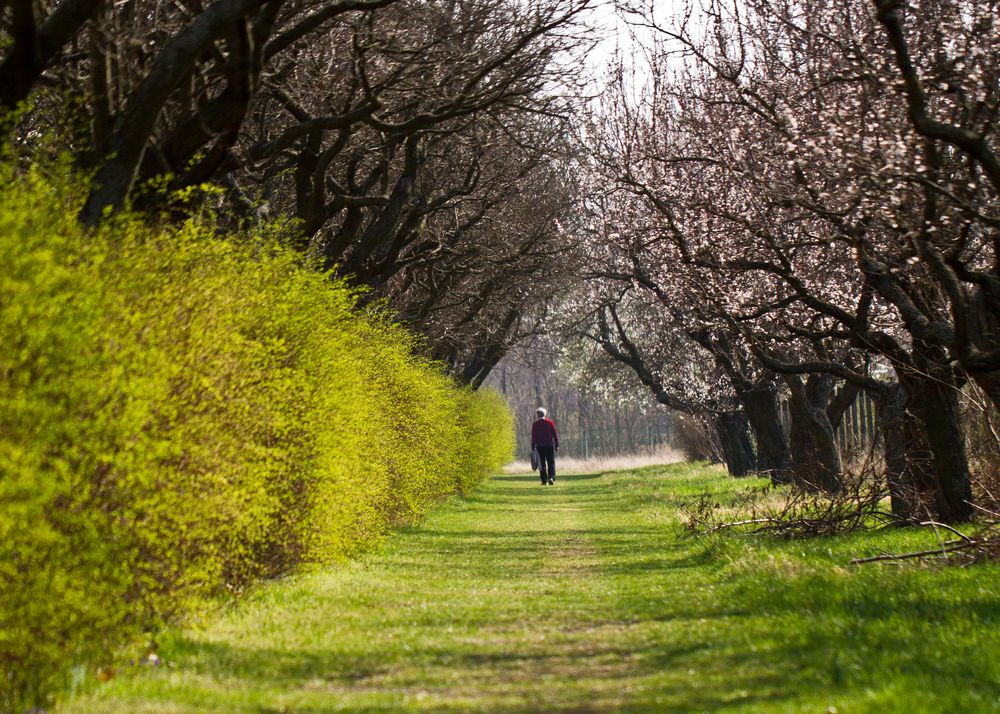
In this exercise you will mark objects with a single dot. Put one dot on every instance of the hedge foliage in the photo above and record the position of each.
(183, 413)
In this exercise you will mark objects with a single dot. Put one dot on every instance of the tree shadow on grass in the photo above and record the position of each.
(576, 492)
(498, 680)
(750, 650)
(505, 553)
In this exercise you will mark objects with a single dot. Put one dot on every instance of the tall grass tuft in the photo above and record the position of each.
(183, 413)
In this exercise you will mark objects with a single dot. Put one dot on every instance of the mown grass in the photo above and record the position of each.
(586, 597)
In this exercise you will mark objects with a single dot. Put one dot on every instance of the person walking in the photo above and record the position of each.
(545, 439)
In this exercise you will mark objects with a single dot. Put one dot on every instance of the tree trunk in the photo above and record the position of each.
(815, 457)
(908, 464)
(985, 333)
(113, 181)
(34, 46)
(734, 436)
(841, 402)
(989, 382)
(935, 402)
(760, 403)
(813, 443)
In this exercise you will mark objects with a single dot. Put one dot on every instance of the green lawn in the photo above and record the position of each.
(586, 597)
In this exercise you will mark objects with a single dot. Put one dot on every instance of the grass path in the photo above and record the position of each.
(583, 597)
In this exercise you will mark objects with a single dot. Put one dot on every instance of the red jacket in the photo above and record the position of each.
(543, 433)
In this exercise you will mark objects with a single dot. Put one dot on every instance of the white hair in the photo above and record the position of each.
(541, 411)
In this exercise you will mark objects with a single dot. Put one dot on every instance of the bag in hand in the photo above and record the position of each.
(534, 459)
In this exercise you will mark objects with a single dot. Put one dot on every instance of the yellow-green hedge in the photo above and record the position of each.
(182, 413)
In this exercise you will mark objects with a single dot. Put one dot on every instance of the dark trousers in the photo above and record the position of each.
(546, 463)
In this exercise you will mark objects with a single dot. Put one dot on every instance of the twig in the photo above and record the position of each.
(948, 547)
(936, 525)
(991, 499)
(735, 524)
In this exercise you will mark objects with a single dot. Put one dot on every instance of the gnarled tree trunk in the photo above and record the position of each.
(737, 448)
(815, 457)
(933, 399)
(175, 61)
(989, 382)
(760, 403)
(908, 460)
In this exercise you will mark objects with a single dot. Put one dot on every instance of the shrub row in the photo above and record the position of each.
(182, 413)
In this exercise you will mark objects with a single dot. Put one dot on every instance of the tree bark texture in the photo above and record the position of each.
(173, 64)
(737, 448)
(908, 461)
(989, 382)
(815, 457)
(935, 403)
(35, 46)
(760, 403)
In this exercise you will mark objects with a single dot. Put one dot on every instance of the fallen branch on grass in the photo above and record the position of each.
(799, 513)
(985, 545)
(949, 547)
